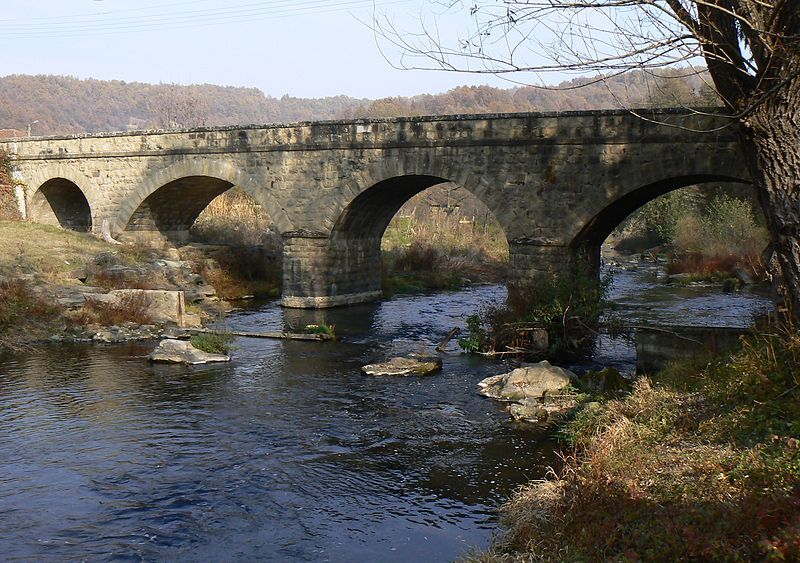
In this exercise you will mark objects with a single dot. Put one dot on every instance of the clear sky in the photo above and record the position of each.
(304, 48)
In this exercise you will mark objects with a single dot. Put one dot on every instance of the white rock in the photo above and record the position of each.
(530, 382)
(182, 352)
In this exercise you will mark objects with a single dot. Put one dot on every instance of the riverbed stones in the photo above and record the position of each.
(411, 365)
(182, 352)
(532, 382)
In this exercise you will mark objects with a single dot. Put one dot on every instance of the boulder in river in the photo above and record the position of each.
(182, 352)
(412, 365)
(531, 382)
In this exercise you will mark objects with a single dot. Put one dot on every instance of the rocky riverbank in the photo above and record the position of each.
(60, 285)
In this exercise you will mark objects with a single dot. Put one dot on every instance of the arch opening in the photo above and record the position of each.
(61, 202)
(597, 230)
(166, 215)
(244, 246)
(347, 266)
(443, 237)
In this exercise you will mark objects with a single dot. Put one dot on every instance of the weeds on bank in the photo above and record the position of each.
(436, 250)
(701, 462)
(23, 312)
(326, 329)
(134, 307)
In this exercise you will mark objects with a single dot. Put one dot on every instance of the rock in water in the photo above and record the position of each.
(413, 365)
(182, 352)
(531, 382)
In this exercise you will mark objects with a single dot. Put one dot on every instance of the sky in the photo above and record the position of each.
(303, 48)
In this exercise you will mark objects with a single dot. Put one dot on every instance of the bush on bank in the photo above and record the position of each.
(712, 238)
(700, 462)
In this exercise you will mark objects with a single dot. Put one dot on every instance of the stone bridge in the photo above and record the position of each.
(558, 183)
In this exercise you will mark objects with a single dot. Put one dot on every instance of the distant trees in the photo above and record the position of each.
(64, 105)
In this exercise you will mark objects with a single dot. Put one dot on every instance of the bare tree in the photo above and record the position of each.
(174, 107)
(751, 49)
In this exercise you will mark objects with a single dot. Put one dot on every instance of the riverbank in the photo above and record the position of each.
(702, 460)
(63, 285)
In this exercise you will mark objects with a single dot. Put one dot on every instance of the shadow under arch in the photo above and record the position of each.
(590, 238)
(60, 201)
(169, 212)
(224, 173)
(371, 211)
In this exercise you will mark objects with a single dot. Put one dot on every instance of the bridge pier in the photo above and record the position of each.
(530, 259)
(320, 271)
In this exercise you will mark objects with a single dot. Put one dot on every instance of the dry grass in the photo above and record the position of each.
(128, 308)
(24, 314)
(54, 252)
(251, 266)
(701, 464)
(436, 250)
(235, 218)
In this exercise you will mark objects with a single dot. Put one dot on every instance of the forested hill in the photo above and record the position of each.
(64, 105)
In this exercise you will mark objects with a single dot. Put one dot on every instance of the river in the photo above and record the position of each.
(286, 453)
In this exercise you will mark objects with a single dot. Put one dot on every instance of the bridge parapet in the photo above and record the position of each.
(581, 128)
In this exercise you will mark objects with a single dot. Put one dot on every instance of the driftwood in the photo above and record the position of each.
(275, 335)
(450, 335)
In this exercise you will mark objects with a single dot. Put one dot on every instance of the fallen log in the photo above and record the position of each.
(275, 335)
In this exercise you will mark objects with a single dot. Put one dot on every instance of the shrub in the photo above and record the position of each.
(568, 307)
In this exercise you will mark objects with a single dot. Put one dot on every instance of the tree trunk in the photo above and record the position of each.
(772, 143)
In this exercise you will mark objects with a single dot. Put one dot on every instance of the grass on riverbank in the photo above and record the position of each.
(52, 252)
(700, 462)
(35, 260)
(436, 251)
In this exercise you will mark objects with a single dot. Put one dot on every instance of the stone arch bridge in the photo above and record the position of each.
(558, 183)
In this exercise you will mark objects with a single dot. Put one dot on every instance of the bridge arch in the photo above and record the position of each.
(587, 242)
(342, 264)
(60, 201)
(168, 201)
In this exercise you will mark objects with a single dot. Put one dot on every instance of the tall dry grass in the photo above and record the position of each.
(236, 218)
(449, 243)
(721, 238)
(252, 265)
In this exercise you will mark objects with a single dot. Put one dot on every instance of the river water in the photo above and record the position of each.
(286, 453)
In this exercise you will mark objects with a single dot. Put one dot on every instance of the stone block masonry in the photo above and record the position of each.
(558, 183)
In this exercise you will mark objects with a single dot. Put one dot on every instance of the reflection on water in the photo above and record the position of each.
(287, 453)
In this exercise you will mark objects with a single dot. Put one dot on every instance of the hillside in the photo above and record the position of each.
(64, 105)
